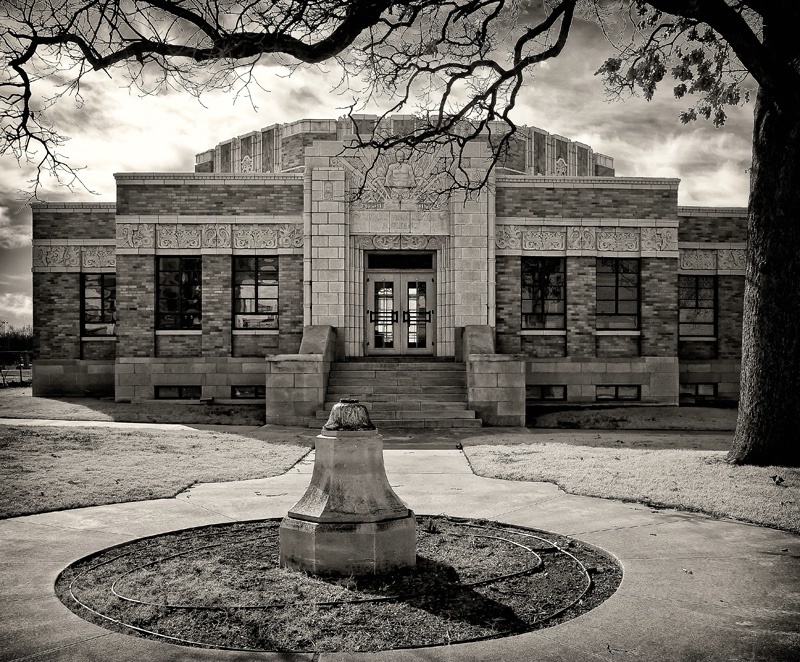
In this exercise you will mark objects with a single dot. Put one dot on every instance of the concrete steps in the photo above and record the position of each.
(403, 393)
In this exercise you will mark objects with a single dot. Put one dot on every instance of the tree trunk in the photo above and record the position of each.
(768, 427)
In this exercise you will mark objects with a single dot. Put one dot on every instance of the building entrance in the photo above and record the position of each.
(400, 305)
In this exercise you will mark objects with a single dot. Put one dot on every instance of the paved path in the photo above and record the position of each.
(694, 588)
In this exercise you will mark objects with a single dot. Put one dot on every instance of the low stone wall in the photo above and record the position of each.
(297, 383)
(73, 377)
(656, 377)
(136, 377)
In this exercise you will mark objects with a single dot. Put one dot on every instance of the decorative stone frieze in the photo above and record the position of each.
(508, 237)
(98, 257)
(698, 259)
(731, 259)
(216, 235)
(389, 242)
(542, 240)
(178, 236)
(247, 164)
(56, 256)
(581, 238)
(618, 241)
(209, 235)
(136, 235)
(659, 239)
(585, 238)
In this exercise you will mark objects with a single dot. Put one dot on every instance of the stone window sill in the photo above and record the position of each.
(543, 332)
(255, 332)
(617, 332)
(179, 332)
(697, 338)
(98, 339)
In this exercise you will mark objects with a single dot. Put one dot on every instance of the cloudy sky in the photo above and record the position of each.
(117, 131)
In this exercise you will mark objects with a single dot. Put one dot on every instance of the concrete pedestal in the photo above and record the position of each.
(349, 521)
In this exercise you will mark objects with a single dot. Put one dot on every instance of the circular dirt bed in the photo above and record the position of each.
(221, 587)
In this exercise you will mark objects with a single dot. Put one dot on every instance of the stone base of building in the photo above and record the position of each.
(348, 548)
(77, 377)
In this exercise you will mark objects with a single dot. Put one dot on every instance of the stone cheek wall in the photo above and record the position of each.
(69, 239)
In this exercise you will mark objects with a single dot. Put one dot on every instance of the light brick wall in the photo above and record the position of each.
(290, 292)
(136, 282)
(544, 347)
(99, 350)
(586, 202)
(700, 224)
(507, 300)
(730, 298)
(181, 345)
(217, 306)
(581, 308)
(56, 315)
(229, 198)
(617, 346)
(73, 221)
(659, 306)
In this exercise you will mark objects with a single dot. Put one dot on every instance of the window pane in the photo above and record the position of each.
(605, 392)
(606, 293)
(628, 392)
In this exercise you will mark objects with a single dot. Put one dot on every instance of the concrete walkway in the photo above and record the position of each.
(694, 588)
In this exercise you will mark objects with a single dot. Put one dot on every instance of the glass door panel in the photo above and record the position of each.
(400, 316)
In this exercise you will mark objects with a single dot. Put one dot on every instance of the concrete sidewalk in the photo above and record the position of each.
(694, 588)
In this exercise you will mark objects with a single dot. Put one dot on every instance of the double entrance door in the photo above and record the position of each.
(400, 312)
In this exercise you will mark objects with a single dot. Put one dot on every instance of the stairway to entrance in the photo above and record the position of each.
(404, 393)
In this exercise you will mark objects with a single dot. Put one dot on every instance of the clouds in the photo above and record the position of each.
(16, 309)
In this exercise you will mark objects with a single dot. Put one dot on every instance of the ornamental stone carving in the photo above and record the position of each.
(136, 235)
(581, 238)
(611, 240)
(327, 190)
(508, 237)
(384, 242)
(98, 257)
(731, 259)
(290, 235)
(56, 256)
(216, 235)
(542, 240)
(255, 236)
(561, 167)
(247, 164)
(698, 259)
(178, 236)
(659, 239)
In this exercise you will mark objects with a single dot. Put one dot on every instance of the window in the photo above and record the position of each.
(98, 304)
(617, 293)
(238, 392)
(542, 393)
(697, 305)
(179, 293)
(691, 393)
(178, 392)
(543, 292)
(621, 392)
(255, 292)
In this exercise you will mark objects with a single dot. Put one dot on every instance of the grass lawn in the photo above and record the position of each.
(684, 479)
(53, 468)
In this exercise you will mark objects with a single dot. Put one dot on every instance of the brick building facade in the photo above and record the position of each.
(247, 279)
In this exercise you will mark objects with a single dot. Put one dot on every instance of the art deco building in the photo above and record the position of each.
(262, 276)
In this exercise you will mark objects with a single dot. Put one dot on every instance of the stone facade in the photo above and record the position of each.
(363, 246)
